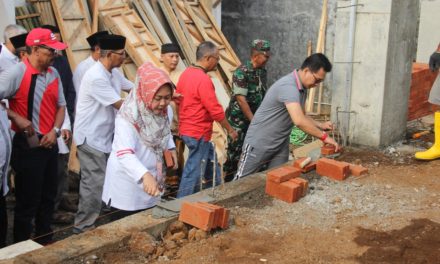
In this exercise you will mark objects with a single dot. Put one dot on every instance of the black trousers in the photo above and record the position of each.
(36, 185)
(3, 219)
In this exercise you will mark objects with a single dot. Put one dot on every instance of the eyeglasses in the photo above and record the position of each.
(52, 51)
(122, 53)
(317, 80)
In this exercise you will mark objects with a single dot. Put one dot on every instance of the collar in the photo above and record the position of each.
(107, 73)
(30, 67)
(8, 54)
(199, 67)
(298, 80)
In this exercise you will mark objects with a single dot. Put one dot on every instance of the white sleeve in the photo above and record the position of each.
(124, 146)
(77, 76)
(66, 123)
(103, 92)
(171, 144)
(126, 85)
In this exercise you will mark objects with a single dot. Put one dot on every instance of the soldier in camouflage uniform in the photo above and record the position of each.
(249, 85)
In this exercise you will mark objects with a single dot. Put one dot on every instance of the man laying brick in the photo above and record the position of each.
(267, 139)
(434, 98)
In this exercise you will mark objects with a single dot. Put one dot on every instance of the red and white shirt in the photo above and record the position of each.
(23, 82)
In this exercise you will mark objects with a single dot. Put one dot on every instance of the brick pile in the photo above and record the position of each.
(421, 83)
(285, 184)
(204, 216)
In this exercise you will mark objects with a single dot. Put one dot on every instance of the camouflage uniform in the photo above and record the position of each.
(251, 83)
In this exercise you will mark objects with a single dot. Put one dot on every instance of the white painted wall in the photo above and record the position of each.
(429, 29)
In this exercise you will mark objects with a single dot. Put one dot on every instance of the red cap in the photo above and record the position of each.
(42, 36)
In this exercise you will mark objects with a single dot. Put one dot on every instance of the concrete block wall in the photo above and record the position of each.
(288, 24)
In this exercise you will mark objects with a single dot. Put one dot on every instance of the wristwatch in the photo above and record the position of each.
(57, 131)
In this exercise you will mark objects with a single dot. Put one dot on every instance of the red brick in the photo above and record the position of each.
(197, 216)
(283, 174)
(217, 212)
(328, 150)
(422, 80)
(309, 167)
(303, 183)
(333, 169)
(357, 170)
(221, 218)
(225, 219)
(286, 191)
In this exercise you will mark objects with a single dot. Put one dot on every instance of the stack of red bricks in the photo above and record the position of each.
(204, 216)
(284, 183)
(422, 80)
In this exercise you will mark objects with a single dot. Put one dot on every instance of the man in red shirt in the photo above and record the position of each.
(198, 109)
(36, 109)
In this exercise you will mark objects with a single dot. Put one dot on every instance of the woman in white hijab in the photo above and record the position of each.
(135, 171)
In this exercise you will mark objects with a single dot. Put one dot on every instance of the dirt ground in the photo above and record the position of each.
(392, 215)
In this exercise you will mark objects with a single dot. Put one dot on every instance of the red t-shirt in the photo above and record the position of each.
(199, 107)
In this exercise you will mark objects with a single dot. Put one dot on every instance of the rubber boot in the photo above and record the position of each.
(434, 151)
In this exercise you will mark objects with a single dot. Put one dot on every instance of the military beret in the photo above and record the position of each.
(260, 45)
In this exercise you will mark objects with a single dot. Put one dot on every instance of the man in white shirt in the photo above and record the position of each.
(5, 155)
(7, 50)
(93, 40)
(98, 99)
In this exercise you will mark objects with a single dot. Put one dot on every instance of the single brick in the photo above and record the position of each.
(328, 150)
(197, 216)
(221, 218)
(357, 170)
(283, 174)
(309, 167)
(225, 219)
(286, 191)
(334, 169)
(289, 191)
(217, 212)
(272, 188)
(303, 183)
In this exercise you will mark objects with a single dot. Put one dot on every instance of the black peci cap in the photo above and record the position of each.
(93, 39)
(169, 48)
(19, 41)
(112, 42)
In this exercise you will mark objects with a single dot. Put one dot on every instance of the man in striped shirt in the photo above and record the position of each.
(37, 109)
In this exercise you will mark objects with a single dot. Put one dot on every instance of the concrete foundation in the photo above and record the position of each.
(110, 235)
(385, 40)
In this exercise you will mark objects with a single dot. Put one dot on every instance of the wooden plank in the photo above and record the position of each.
(140, 10)
(189, 37)
(95, 16)
(188, 48)
(203, 27)
(320, 46)
(45, 9)
(73, 31)
(140, 45)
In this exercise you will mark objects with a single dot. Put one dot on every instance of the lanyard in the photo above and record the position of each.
(298, 83)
